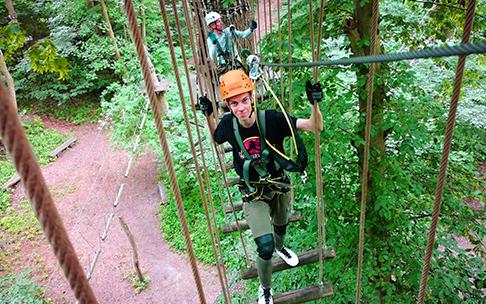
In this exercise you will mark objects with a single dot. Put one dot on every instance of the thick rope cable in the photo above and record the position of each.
(448, 51)
(133, 26)
(364, 178)
(291, 106)
(16, 143)
(204, 69)
(445, 151)
(317, 145)
(317, 148)
(219, 156)
(188, 130)
(280, 70)
(187, 14)
(260, 27)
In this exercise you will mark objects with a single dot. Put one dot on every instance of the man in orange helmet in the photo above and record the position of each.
(265, 205)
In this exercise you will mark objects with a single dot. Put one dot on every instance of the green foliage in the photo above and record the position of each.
(21, 288)
(138, 284)
(4, 198)
(44, 58)
(12, 38)
(76, 111)
(20, 221)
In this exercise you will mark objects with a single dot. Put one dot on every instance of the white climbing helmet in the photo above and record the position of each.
(212, 17)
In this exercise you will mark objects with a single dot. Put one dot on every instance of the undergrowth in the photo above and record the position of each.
(21, 288)
(18, 224)
(76, 112)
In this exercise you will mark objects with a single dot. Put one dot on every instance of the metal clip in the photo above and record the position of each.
(303, 177)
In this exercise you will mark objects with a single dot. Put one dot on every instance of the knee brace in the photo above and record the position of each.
(280, 230)
(265, 246)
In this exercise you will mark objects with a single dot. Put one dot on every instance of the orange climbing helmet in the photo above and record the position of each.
(234, 82)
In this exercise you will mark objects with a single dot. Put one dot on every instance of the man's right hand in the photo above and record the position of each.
(205, 105)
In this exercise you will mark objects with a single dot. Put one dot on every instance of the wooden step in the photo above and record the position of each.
(244, 224)
(238, 206)
(278, 264)
(305, 294)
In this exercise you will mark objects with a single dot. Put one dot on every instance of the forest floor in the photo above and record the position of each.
(84, 182)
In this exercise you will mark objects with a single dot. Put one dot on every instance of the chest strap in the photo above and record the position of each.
(258, 164)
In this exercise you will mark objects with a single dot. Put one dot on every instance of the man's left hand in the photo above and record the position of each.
(314, 92)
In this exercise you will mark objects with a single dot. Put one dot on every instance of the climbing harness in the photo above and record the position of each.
(270, 153)
(230, 61)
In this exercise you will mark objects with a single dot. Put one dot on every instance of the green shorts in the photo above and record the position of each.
(271, 209)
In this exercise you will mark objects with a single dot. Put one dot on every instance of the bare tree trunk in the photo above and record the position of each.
(11, 10)
(136, 262)
(110, 29)
(9, 79)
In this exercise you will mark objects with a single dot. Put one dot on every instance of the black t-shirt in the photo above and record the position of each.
(277, 129)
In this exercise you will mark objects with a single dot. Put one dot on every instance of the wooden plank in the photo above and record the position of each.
(304, 294)
(238, 206)
(228, 166)
(16, 178)
(278, 264)
(11, 182)
(63, 147)
(244, 224)
(164, 198)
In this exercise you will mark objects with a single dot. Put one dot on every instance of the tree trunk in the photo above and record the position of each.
(9, 79)
(358, 29)
(11, 10)
(110, 29)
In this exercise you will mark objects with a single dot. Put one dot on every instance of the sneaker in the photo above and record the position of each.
(288, 256)
(265, 295)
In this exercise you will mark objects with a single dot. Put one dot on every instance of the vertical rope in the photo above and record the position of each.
(317, 150)
(289, 59)
(16, 143)
(364, 180)
(270, 22)
(219, 267)
(132, 22)
(321, 216)
(445, 151)
(280, 70)
(223, 170)
(260, 27)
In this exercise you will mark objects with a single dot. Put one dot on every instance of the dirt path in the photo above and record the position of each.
(84, 182)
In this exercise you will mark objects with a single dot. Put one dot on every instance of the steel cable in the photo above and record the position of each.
(447, 51)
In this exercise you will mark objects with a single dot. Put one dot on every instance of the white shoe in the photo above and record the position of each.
(265, 295)
(288, 256)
